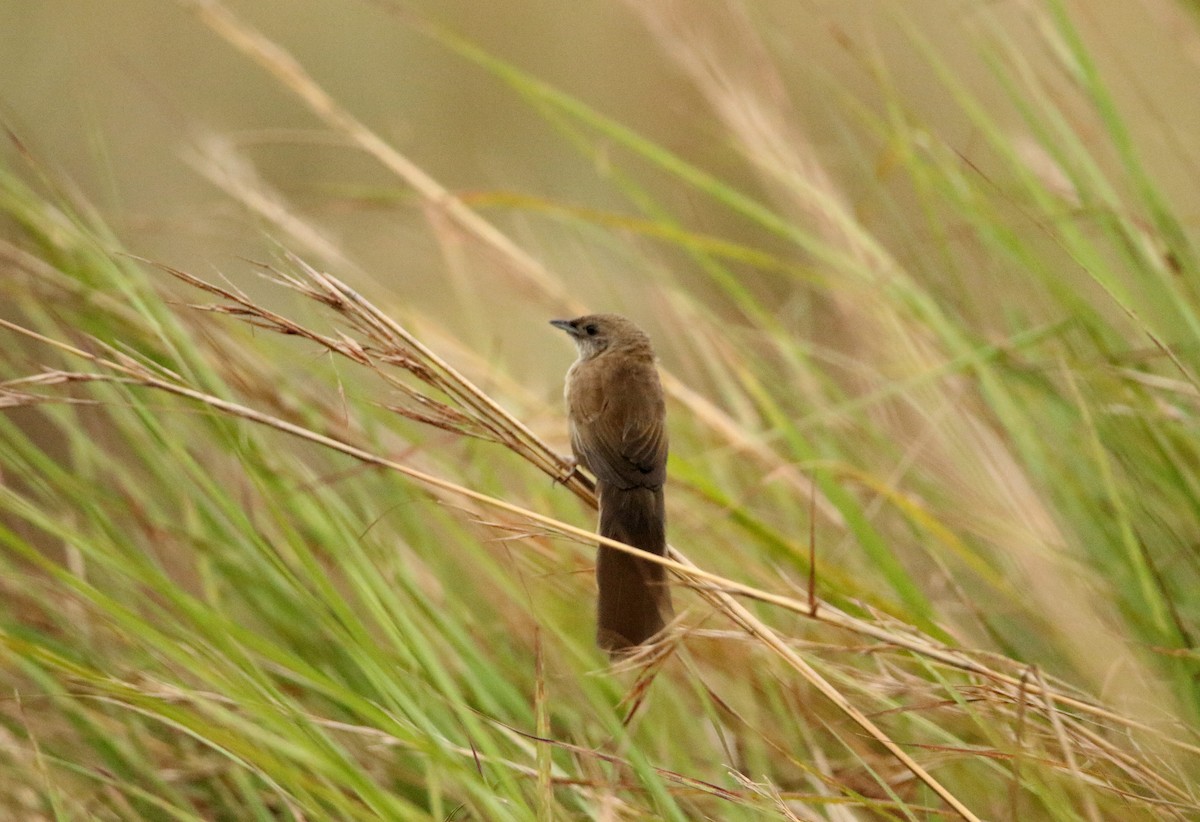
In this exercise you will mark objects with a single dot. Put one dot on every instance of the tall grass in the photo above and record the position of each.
(273, 549)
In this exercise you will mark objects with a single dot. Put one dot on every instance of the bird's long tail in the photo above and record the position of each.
(634, 598)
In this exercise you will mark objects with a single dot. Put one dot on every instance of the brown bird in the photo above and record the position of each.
(616, 415)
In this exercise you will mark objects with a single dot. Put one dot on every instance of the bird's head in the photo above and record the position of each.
(596, 333)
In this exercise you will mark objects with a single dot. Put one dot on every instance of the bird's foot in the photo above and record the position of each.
(567, 473)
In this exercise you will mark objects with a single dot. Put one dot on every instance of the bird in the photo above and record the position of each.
(617, 421)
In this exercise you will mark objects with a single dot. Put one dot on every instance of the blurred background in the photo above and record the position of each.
(126, 99)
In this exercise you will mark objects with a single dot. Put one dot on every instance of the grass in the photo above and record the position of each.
(296, 555)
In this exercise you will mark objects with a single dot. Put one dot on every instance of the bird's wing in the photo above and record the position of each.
(617, 428)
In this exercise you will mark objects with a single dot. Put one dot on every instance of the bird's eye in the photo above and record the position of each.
(590, 329)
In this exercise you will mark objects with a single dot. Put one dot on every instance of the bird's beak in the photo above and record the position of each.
(565, 325)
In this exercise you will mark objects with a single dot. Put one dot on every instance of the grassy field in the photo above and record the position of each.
(288, 533)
